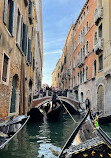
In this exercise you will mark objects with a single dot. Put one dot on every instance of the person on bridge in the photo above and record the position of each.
(54, 99)
(87, 103)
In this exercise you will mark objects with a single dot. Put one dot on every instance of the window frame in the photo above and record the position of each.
(8, 69)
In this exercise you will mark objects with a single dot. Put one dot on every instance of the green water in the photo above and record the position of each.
(40, 138)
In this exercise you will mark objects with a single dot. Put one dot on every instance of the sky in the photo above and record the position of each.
(58, 16)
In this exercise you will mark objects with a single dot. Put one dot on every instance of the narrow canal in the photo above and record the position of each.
(43, 138)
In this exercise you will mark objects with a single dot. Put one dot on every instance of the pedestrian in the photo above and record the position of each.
(87, 103)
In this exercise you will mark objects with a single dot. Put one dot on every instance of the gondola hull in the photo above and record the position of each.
(105, 119)
(7, 132)
(86, 141)
(54, 113)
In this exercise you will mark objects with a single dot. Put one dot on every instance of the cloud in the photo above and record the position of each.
(53, 52)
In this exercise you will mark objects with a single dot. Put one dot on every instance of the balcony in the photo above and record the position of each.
(98, 45)
(98, 15)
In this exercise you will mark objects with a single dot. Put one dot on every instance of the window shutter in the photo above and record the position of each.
(12, 18)
(21, 33)
(29, 50)
(24, 42)
(5, 12)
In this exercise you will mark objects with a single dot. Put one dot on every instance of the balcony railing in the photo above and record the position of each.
(98, 45)
(98, 15)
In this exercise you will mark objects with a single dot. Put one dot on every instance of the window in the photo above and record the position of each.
(87, 9)
(78, 78)
(95, 38)
(82, 97)
(26, 2)
(84, 15)
(74, 82)
(100, 30)
(18, 26)
(5, 68)
(29, 52)
(65, 60)
(95, 68)
(84, 52)
(81, 57)
(86, 73)
(87, 26)
(78, 58)
(79, 39)
(100, 62)
(9, 15)
(83, 74)
(24, 38)
(81, 36)
(87, 47)
(30, 12)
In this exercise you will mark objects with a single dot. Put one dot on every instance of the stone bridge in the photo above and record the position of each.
(38, 102)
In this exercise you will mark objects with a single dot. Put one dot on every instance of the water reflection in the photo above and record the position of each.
(40, 138)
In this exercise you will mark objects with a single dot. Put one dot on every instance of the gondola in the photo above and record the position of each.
(87, 141)
(103, 118)
(47, 110)
(54, 113)
(11, 128)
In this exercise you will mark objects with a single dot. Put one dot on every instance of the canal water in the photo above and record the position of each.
(43, 138)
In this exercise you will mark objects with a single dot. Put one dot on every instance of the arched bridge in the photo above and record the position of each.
(72, 103)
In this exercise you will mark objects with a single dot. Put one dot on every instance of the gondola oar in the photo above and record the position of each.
(67, 110)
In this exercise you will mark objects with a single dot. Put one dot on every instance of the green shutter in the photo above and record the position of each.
(21, 33)
(12, 17)
(29, 50)
(5, 12)
(24, 41)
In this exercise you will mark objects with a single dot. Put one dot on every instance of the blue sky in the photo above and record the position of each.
(58, 15)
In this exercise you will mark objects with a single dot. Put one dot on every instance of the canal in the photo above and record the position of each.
(43, 138)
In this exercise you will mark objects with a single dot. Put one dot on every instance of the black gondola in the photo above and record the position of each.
(52, 112)
(11, 128)
(87, 141)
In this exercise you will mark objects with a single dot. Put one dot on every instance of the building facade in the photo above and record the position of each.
(38, 48)
(91, 56)
(18, 22)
